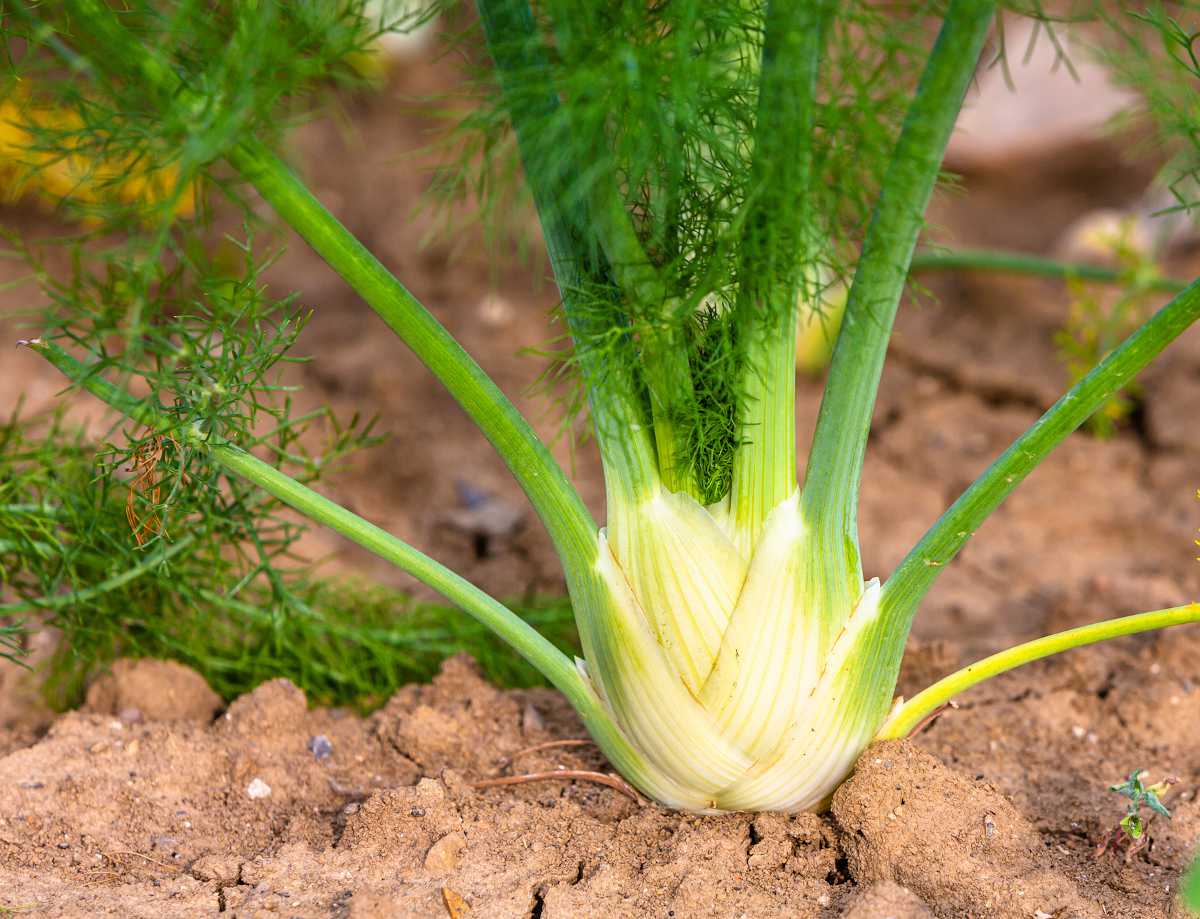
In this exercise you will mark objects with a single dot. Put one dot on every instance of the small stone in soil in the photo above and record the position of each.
(483, 517)
(456, 906)
(532, 720)
(443, 855)
(258, 789)
(321, 747)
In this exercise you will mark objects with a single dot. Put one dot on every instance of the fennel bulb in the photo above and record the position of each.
(735, 671)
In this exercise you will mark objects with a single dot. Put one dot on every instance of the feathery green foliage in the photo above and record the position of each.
(638, 124)
(1152, 49)
(151, 550)
(69, 562)
(251, 70)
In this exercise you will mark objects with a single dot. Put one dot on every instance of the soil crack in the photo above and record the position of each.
(539, 903)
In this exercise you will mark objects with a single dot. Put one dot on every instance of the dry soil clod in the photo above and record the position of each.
(907, 818)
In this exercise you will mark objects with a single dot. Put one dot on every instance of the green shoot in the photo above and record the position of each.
(1024, 264)
(1130, 834)
(702, 172)
(907, 716)
(1141, 795)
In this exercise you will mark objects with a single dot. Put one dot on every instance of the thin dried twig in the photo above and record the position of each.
(147, 485)
(550, 744)
(583, 775)
(927, 722)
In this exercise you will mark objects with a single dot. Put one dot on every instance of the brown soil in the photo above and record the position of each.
(275, 809)
(143, 805)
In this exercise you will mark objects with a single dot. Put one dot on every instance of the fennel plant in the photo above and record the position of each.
(700, 169)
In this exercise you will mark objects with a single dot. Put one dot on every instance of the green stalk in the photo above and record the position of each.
(668, 376)
(623, 434)
(764, 465)
(554, 499)
(835, 461)
(945, 539)
(925, 703)
(523, 638)
(1023, 263)
(1189, 888)
(489, 612)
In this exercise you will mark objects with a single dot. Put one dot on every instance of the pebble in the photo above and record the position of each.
(321, 747)
(532, 721)
(483, 517)
(443, 855)
(495, 311)
(258, 789)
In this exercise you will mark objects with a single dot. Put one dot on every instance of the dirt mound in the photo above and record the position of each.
(152, 690)
(905, 817)
(888, 899)
(273, 808)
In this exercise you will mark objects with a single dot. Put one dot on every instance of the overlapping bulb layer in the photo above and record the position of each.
(744, 679)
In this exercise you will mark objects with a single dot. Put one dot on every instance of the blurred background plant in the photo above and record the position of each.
(1099, 318)
(1190, 889)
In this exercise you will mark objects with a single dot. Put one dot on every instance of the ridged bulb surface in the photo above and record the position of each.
(743, 680)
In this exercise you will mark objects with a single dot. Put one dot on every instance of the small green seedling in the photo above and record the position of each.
(1130, 834)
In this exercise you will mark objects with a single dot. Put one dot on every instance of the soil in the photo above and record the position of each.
(154, 800)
